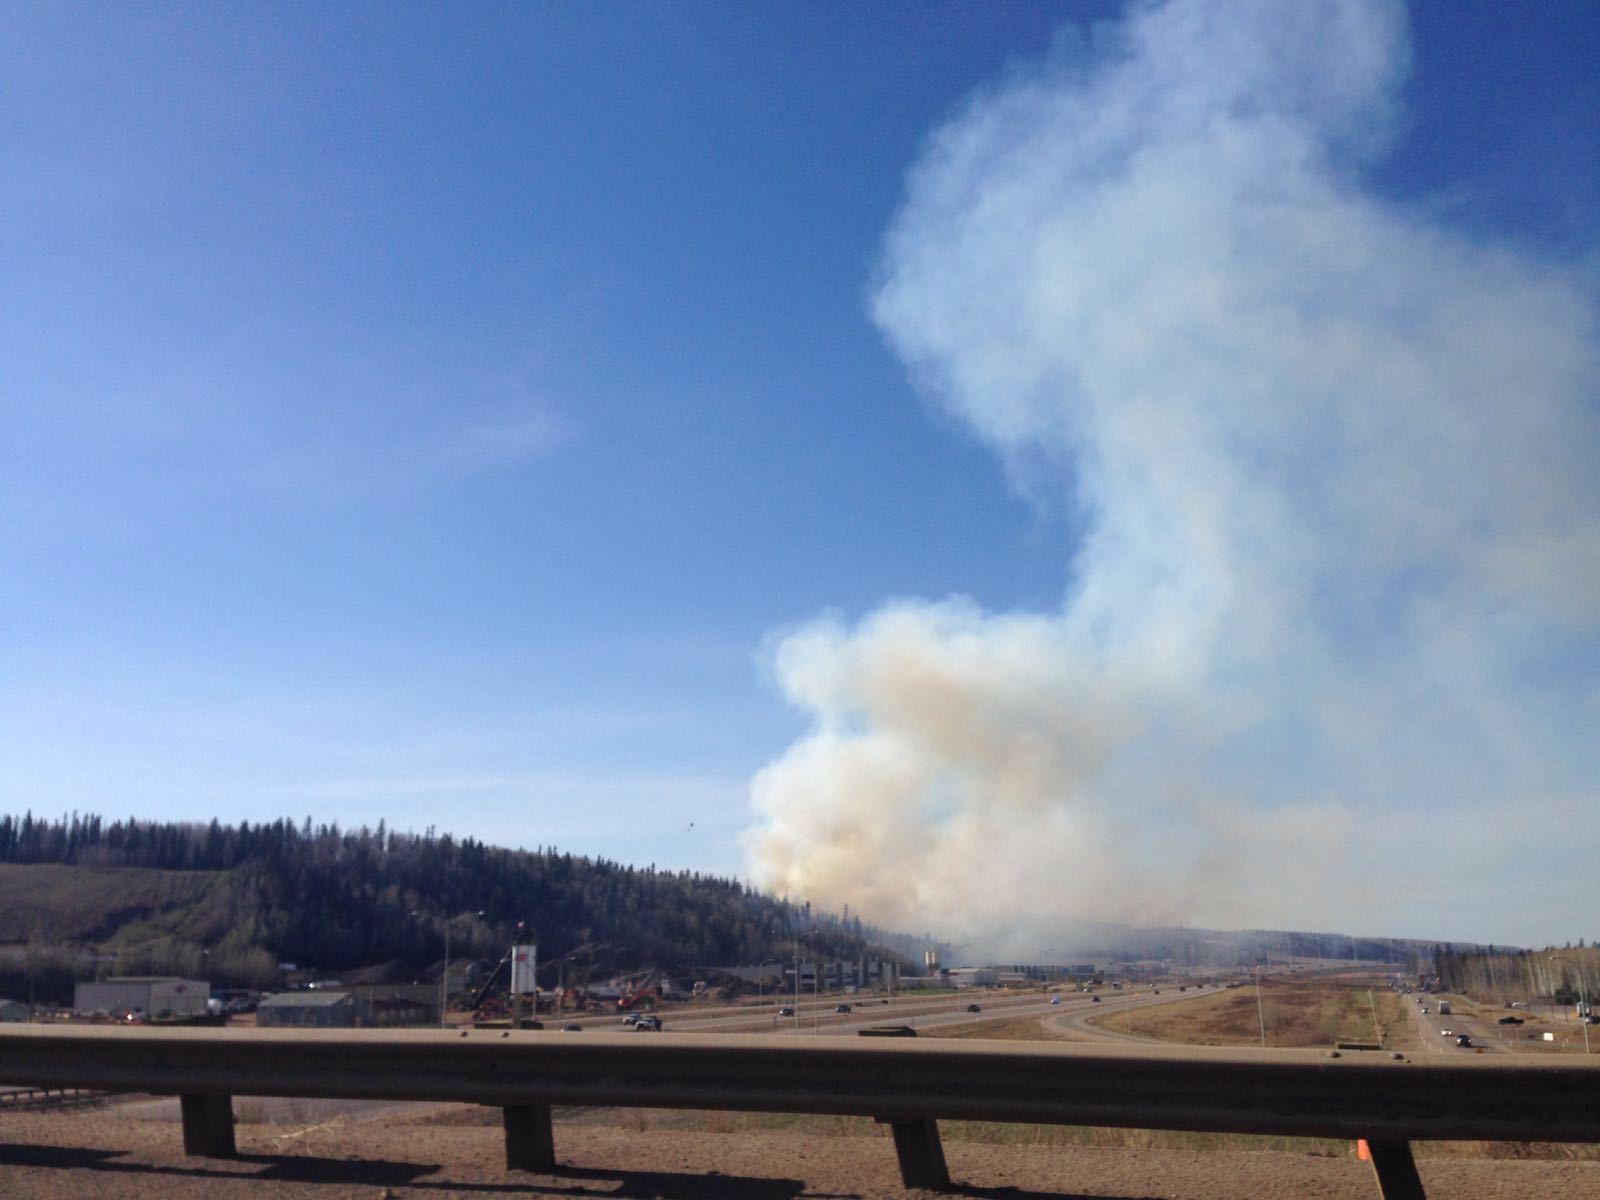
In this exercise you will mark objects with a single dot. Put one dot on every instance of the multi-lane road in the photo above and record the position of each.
(1484, 1029)
(1424, 1012)
(1069, 1013)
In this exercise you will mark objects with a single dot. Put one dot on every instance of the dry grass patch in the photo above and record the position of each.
(1059, 1136)
(1018, 1029)
(1294, 1011)
(1065, 1136)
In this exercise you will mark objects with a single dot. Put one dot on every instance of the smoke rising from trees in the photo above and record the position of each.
(1340, 569)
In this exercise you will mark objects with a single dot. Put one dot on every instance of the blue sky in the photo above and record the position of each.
(441, 414)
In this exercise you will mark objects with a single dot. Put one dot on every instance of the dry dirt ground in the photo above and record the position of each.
(449, 1151)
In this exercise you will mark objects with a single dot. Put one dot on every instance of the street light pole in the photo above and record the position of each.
(1583, 1005)
(1583, 1002)
(444, 979)
(1261, 1012)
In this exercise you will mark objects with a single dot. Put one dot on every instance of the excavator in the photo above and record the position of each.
(642, 992)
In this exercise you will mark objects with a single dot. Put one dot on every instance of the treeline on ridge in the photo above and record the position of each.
(337, 899)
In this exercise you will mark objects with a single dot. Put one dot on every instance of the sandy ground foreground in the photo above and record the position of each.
(388, 1156)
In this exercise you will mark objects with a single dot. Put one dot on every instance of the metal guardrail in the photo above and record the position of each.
(907, 1083)
(27, 1098)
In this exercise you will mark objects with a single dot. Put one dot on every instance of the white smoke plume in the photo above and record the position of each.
(1341, 572)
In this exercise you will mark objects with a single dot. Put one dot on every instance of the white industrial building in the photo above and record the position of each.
(829, 976)
(965, 977)
(307, 1010)
(1018, 974)
(833, 975)
(148, 995)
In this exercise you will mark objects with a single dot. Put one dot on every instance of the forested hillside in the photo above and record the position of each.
(235, 900)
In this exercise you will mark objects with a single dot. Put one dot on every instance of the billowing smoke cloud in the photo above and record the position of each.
(1341, 573)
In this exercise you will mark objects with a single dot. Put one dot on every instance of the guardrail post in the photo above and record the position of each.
(1396, 1170)
(921, 1154)
(530, 1143)
(208, 1126)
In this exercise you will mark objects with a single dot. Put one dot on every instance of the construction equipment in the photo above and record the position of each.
(642, 992)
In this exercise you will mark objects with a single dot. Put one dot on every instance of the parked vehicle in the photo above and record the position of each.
(651, 1023)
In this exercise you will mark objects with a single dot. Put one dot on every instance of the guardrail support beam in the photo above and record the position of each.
(921, 1153)
(1396, 1170)
(208, 1126)
(530, 1142)
(907, 1084)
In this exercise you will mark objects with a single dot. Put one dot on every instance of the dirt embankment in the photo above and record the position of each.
(458, 1152)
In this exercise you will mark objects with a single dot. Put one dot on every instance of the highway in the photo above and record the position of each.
(922, 1012)
(1429, 1025)
(1075, 1022)
(818, 1015)
(1487, 1034)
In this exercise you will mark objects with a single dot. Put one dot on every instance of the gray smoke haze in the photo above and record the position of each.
(1341, 574)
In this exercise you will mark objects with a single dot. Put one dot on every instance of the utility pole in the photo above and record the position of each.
(1583, 1001)
(444, 979)
(1261, 1012)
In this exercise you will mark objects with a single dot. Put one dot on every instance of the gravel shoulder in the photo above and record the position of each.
(457, 1151)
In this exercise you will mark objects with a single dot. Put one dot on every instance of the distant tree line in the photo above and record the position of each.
(1495, 976)
(338, 898)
